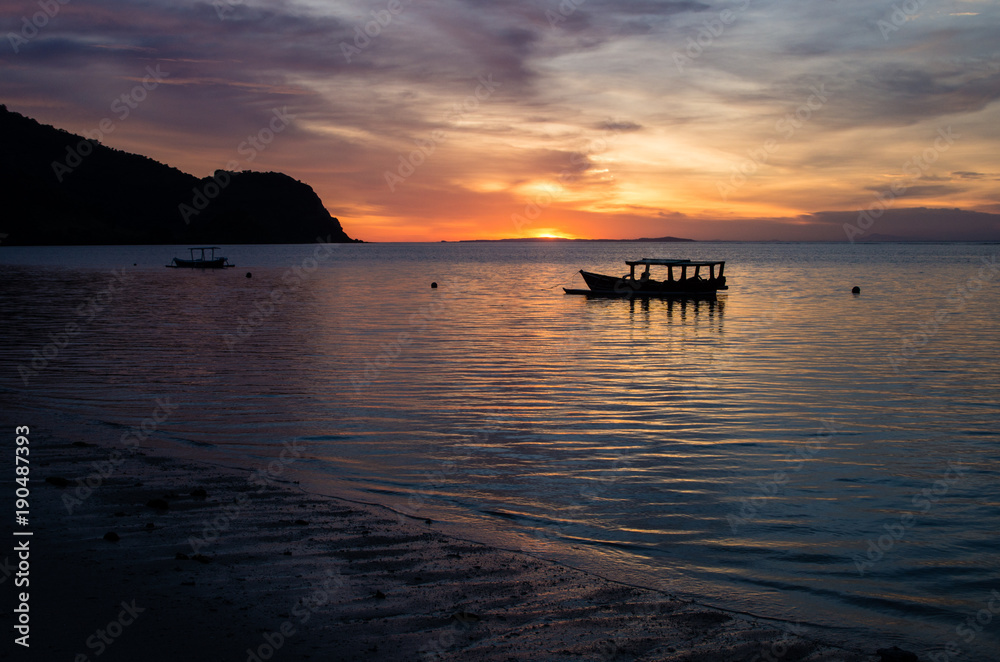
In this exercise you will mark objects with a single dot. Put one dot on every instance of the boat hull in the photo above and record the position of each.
(610, 294)
(600, 284)
(217, 263)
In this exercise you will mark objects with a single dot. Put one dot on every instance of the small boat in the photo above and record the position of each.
(690, 280)
(202, 262)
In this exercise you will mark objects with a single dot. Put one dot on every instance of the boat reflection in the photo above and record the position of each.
(698, 310)
(709, 308)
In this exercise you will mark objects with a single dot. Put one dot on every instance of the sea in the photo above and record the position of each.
(790, 449)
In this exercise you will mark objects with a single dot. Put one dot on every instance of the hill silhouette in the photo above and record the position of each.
(68, 190)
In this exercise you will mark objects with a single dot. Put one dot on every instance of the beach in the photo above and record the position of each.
(169, 559)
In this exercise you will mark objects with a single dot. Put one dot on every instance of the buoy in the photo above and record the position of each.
(249, 275)
(434, 286)
(855, 290)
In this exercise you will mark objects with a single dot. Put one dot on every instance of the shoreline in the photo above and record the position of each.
(236, 568)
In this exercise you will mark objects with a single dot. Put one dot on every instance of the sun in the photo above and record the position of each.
(552, 233)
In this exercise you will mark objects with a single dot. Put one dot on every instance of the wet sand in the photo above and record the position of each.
(252, 570)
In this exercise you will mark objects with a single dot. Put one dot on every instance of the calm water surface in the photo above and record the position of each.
(789, 449)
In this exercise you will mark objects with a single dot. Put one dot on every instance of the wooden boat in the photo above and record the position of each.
(690, 280)
(202, 262)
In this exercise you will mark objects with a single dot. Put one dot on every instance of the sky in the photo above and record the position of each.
(429, 120)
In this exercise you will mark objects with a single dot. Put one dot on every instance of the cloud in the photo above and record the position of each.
(921, 191)
(588, 101)
(619, 127)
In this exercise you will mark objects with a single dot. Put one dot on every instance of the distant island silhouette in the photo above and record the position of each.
(69, 190)
(548, 239)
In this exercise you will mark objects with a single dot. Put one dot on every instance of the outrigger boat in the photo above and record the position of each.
(687, 283)
(202, 262)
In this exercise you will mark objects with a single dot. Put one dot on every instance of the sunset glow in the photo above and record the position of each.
(719, 120)
(551, 233)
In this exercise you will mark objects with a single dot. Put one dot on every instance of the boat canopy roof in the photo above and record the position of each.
(669, 262)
